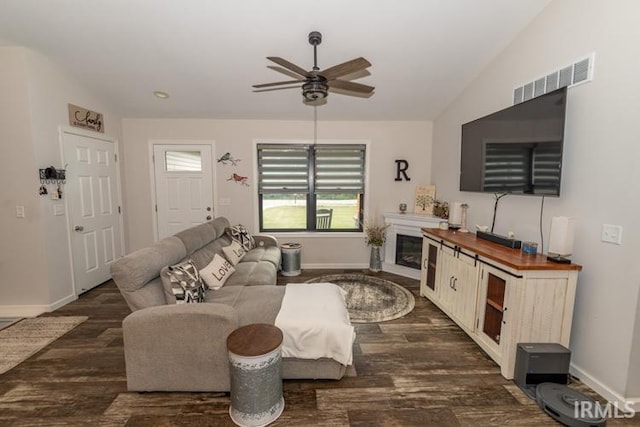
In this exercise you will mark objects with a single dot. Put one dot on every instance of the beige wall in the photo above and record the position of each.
(36, 262)
(388, 141)
(600, 180)
(22, 256)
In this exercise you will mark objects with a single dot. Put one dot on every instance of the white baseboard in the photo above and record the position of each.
(13, 311)
(602, 389)
(334, 266)
(62, 301)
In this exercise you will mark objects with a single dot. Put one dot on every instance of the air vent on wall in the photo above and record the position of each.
(577, 73)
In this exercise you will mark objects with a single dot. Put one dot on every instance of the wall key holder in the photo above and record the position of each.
(52, 175)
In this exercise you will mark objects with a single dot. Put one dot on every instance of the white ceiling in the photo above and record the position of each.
(207, 53)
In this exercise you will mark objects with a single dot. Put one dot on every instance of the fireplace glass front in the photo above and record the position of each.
(408, 251)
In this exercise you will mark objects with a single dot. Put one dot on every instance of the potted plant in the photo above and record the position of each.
(375, 235)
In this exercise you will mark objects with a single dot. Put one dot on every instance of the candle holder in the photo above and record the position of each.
(463, 221)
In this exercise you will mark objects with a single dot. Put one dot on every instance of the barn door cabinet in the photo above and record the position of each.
(498, 296)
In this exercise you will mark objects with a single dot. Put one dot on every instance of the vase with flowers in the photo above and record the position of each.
(375, 235)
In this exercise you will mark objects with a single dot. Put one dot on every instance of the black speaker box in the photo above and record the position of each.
(541, 363)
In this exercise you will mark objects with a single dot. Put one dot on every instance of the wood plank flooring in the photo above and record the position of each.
(420, 370)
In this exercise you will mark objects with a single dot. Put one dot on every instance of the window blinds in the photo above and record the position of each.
(287, 168)
(283, 168)
(339, 168)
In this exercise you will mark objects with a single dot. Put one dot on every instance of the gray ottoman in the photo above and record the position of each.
(256, 374)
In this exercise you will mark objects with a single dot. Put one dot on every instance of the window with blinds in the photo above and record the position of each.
(311, 187)
(529, 168)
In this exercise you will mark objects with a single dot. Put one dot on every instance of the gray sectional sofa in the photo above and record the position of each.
(182, 347)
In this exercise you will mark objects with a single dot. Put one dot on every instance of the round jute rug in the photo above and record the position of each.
(370, 299)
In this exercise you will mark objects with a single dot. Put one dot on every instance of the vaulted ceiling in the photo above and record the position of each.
(206, 54)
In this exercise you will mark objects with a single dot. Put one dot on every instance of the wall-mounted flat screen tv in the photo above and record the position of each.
(517, 150)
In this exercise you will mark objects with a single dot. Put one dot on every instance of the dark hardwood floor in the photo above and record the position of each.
(420, 370)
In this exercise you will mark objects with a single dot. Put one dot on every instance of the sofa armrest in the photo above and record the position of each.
(180, 347)
(265, 240)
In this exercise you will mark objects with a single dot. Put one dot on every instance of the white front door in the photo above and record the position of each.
(184, 186)
(92, 190)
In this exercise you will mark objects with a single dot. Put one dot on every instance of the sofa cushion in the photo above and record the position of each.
(253, 304)
(185, 283)
(135, 270)
(240, 234)
(203, 256)
(201, 235)
(234, 252)
(269, 254)
(253, 273)
(217, 272)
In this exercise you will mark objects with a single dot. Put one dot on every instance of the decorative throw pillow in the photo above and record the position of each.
(186, 284)
(217, 272)
(241, 235)
(234, 252)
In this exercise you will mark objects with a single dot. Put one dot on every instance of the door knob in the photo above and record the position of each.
(208, 217)
(208, 208)
(78, 228)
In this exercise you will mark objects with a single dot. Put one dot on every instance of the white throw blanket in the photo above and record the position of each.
(315, 323)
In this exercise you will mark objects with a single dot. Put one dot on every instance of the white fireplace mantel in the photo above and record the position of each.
(408, 225)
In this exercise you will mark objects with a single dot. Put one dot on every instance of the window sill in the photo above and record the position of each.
(317, 234)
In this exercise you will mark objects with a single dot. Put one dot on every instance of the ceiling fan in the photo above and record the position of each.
(317, 83)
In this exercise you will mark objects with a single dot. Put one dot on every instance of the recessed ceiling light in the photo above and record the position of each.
(160, 94)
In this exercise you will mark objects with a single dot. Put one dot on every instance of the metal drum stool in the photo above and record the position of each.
(291, 259)
(255, 358)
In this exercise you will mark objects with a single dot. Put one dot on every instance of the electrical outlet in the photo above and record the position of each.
(611, 234)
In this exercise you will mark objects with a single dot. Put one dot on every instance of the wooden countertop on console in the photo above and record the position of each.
(513, 258)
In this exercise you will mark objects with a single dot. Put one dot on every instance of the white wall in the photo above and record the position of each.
(388, 141)
(601, 179)
(37, 276)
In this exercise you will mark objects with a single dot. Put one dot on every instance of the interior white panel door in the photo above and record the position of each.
(184, 186)
(94, 214)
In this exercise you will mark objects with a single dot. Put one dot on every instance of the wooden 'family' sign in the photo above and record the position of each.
(86, 119)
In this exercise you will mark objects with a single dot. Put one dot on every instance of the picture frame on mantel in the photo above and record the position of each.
(424, 200)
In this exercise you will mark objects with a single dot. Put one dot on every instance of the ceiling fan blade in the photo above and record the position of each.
(288, 82)
(289, 66)
(351, 86)
(345, 68)
(270, 89)
(284, 71)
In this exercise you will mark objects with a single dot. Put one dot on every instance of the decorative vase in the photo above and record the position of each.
(375, 261)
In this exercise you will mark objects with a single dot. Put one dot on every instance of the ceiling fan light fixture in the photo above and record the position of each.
(314, 91)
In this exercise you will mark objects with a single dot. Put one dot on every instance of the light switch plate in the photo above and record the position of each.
(611, 234)
(58, 209)
(19, 211)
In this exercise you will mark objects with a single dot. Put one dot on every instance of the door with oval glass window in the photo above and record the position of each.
(184, 186)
